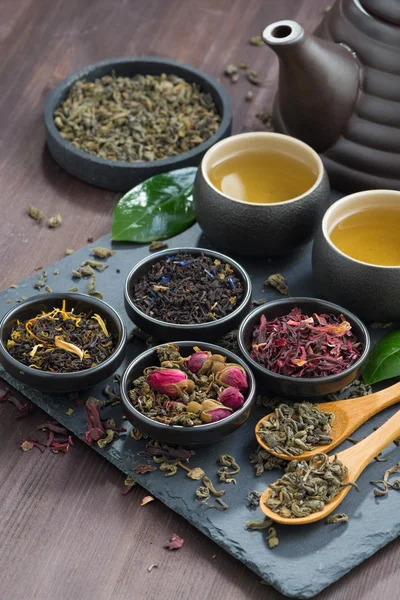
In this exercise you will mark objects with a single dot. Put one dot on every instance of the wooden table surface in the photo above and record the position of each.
(66, 531)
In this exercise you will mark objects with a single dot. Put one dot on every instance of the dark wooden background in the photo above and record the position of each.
(66, 531)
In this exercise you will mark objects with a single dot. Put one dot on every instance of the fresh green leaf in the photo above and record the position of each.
(156, 209)
(384, 359)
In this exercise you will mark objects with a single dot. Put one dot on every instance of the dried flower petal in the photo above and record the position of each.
(175, 543)
(59, 343)
(146, 500)
(143, 469)
(166, 380)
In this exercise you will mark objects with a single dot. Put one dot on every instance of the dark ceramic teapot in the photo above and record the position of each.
(339, 90)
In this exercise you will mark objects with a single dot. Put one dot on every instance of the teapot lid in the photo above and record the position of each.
(387, 10)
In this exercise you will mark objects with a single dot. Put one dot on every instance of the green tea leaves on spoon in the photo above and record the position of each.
(384, 359)
(156, 209)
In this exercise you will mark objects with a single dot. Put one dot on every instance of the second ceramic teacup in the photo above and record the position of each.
(260, 229)
(370, 290)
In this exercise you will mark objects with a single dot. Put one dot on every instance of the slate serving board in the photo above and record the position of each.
(308, 558)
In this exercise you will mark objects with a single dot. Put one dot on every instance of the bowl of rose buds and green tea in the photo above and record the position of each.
(187, 392)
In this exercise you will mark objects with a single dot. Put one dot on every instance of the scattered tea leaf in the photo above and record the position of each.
(279, 283)
(46, 289)
(95, 264)
(230, 70)
(69, 412)
(196, 474)
(91, 289)
(146, 500)
(249, 96)
(69, 251)
(265, 118)
(90, 240)
(253, 499)
(13, 286)
(256, 40)
(129, 483)
(384, 359)
(272, 538)
(56, 272)
(258, 302)
(54, 221)
(75, 289)
(165, 466)
(40, 283)
(208, 484)
(337, 518)
(152, 567)
(243, 65)
(254, 77)
(157, 245)
(103, 252)
(9, 301)
(158, 208)
(264, 524)
(175, 542)
(35, 213)
(26, 446)
(379, 325)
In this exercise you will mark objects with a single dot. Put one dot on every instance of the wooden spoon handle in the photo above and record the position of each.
(363, 408)
(359, 456)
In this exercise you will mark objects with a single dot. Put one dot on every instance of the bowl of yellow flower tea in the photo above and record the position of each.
(62, 342)
(260, 194)
(356, 254)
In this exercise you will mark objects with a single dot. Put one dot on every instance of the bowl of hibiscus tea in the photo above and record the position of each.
(187, 293)
(62, 342)
(304, 347)
(187, 393)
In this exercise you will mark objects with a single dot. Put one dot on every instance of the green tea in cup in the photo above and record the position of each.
(262, 176)
(370, 235)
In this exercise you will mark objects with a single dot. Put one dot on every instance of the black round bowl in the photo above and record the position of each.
(177, 434)
(118, 175)
(304, 387)
(62, 382)
(169, 331)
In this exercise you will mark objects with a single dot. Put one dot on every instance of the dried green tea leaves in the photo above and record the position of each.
(103, 252)
(264, 461)
(305, 488)
(265, 524)
(143, 118)
(253, 499)
(170, 469)
(337, 518)
(379, 325)
(249, 96)
(35, 213)
(385, 483)
(82, 272)
(157, 245)
(254, 78)
(196, 474)
(41, 282)
(279, 283)
(95, 264)
(266, 119)
(92, 289)
(228, 462)
(69, 251)
(54, 221)
(272, 538)
(256, 40)
(297, 428)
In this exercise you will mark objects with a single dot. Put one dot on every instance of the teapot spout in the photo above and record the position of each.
(318, 84)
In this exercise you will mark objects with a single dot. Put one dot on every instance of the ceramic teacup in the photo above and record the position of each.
(258, 229)
(371, 291)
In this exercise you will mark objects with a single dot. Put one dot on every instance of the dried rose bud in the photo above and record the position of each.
(166, 381)
(197, 360)
(216, 414)
(194, 407)
(233, 376)
(232, 398)
(215, 363)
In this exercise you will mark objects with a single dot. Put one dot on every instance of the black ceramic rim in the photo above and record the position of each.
(63, 87)
(320, 304)
(47, 299)
(196, 326)
(188, 344)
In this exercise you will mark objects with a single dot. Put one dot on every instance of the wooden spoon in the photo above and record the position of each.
(349, 415)
(355, 459)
